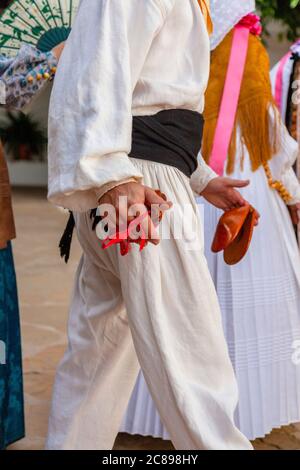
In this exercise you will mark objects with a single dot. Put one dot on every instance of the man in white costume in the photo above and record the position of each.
(141, 416)
(260, 296)
(135, 62)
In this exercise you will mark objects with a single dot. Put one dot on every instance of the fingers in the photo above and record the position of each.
(234, 199)
(156, 198)
(150, 231)
(157, 203)
(294, 218)
(226, 204)
(297, 213)
(237, 183)
(294, 215)
(132, 203)
(294, 210)
(257, 217)
(142, 227)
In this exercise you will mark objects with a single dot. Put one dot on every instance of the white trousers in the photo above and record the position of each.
(156, 309)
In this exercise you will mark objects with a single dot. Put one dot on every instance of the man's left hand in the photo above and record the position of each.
(221, 193)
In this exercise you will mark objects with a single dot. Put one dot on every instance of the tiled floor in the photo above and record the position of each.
(44, 287)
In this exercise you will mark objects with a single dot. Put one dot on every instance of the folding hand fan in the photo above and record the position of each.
(42, 23)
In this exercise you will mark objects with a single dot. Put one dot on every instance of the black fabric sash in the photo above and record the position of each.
(172, 137)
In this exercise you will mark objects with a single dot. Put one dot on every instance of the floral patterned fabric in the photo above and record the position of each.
(11, 385)
(25, 75)
(21, 78)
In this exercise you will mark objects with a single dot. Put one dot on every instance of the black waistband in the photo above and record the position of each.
(172, 137)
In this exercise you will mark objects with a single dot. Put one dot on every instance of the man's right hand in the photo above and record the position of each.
(142, 198)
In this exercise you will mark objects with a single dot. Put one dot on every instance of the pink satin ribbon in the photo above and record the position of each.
(225, 124)
(279, 75)
(279, 80)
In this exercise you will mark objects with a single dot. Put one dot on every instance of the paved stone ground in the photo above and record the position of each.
(44, 287)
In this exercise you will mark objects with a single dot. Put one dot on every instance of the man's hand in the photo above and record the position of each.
(295, 213)
(221, 193)
(141, 197)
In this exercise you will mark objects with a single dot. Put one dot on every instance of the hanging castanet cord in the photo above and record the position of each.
(66, 239)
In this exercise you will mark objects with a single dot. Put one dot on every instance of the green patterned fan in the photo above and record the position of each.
(42, 23)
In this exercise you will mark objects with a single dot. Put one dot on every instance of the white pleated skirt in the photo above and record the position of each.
(260, 303)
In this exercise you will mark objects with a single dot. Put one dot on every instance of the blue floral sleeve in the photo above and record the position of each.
(23, 76)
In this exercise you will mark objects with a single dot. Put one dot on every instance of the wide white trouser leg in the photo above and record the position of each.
(97, 373)
(175, 323)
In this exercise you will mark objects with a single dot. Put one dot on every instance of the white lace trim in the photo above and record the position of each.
(225, 15)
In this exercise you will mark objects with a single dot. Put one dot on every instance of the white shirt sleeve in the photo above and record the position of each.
(202, 176)
(292, 184)
(90, 116)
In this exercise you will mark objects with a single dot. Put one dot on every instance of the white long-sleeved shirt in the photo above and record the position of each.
(123, 58)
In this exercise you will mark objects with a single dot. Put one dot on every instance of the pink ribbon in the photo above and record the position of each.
(225, 124)
(279, 80)
(279, 75)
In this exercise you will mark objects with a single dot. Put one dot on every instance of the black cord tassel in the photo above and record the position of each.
(97, 218)
(66, 239)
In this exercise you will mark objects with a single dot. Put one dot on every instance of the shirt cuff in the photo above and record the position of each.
(202, 176)
(76, 186)
(113, 184)
(292, 184)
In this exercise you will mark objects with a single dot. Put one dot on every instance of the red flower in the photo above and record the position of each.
(252, 22)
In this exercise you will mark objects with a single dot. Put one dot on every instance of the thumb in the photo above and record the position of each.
(238, 183)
